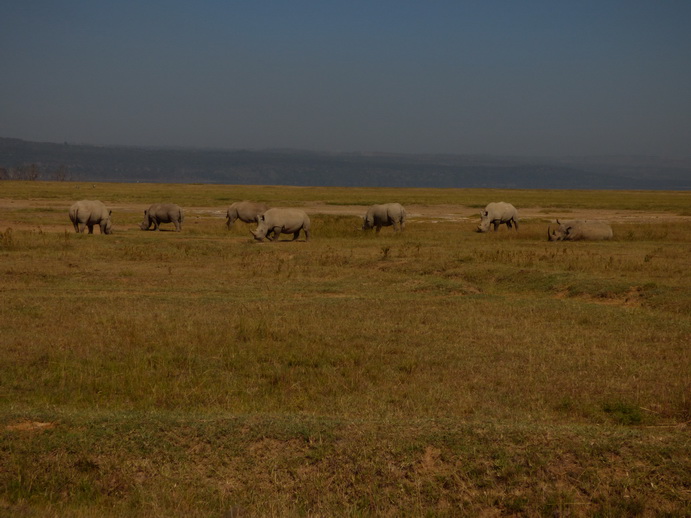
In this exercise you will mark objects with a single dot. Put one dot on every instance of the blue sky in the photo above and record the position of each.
(501, 77)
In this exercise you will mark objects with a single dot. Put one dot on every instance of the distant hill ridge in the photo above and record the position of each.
(305, 168)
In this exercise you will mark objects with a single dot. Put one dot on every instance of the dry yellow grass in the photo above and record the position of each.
(438, 372)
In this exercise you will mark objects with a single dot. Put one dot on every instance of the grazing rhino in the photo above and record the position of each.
(163, 213)
(578, 230)
(282, 221)
(87, 213)
(247, 211)
(385, 215)
(497, 213)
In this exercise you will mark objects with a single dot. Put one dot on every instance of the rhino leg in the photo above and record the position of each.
(296, 235)
(91, 227)
(515, 222)
(276, 231)
(307, 234)
(378, 228)
(178, 226)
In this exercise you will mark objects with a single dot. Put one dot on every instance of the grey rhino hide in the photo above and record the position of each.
(163, 213)
(385, 215)
(498, 213)
(246, 211)
(578, 230)
(282, 221)
(87, 213)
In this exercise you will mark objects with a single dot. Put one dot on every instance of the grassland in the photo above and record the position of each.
(439, 372)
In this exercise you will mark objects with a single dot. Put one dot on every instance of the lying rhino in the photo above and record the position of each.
(580, 230)
(88, 213)
(497, 213)
(385, 215)
(247, 211)
(282, 221)
(163, 213)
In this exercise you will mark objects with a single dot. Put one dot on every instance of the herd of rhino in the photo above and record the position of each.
(271, 222)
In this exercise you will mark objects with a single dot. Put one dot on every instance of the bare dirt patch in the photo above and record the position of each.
(29, 426)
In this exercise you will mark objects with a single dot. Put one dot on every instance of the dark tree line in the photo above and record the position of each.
(34, 172)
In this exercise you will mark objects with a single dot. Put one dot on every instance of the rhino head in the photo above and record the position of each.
(260, 232)
(484, 221)
(108, 226)
(144, 225)
(561, 232)
(367, 223)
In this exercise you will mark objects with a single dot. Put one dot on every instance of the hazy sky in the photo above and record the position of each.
(550, 77)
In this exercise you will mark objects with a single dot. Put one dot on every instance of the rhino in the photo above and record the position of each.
(385, 215)
(87, 213)
(282, 221)
(247, 211)
(497, 213)
(163, 213)
(578, 230)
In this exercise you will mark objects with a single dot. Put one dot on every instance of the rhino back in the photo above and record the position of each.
(247, 210)
(89, 211)
(395, 211)
(501, 211)
(286, 218)
(166, 212)
(384, 214)
(591, 230)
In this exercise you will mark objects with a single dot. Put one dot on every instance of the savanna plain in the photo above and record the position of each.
(436, 372)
